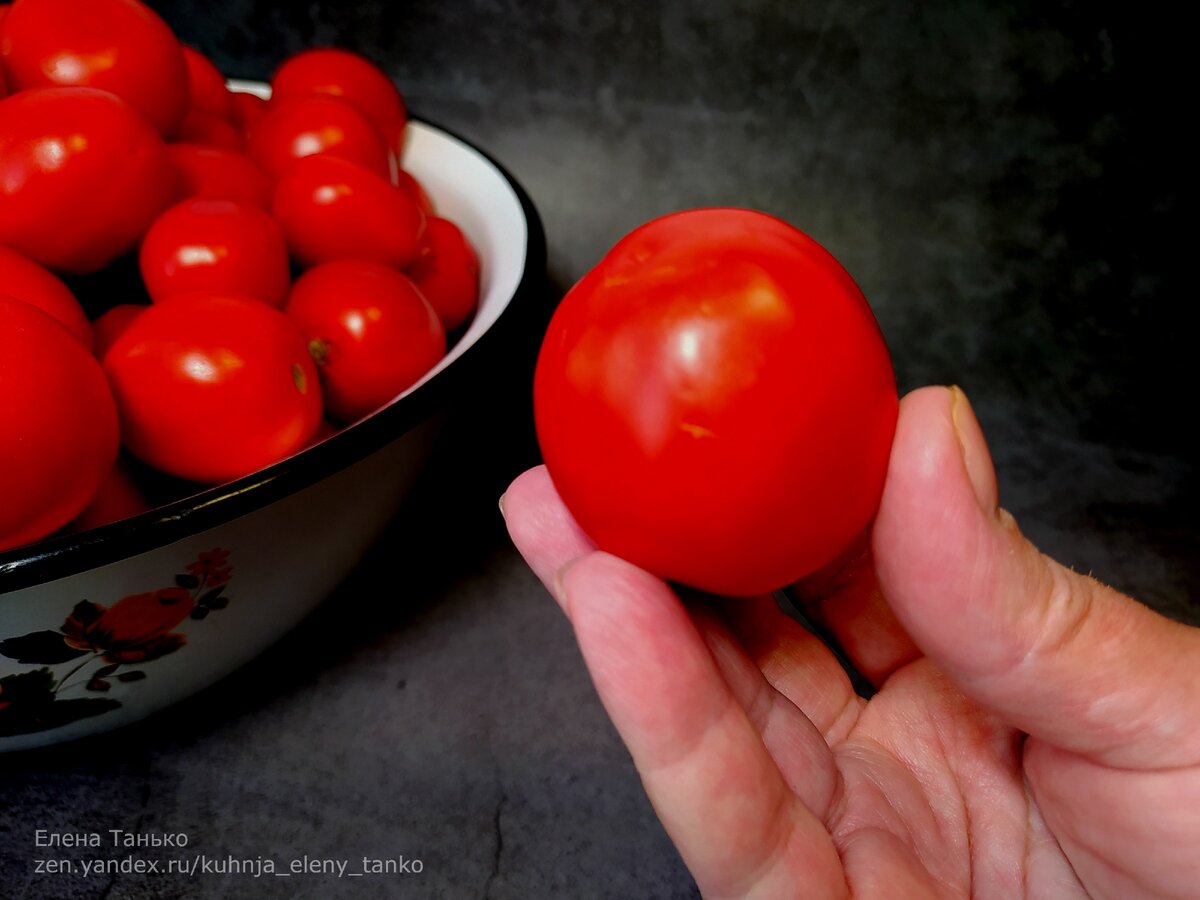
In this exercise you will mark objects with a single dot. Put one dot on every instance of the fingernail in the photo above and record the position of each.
(501, 505)
(975, 455)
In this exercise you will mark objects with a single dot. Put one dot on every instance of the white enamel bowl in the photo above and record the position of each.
(102, 628)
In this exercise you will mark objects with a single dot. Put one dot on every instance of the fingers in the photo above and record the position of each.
(1058, 654)
(705, 767)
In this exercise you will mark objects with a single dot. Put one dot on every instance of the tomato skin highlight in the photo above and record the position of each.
(211, 387)
(371, 331)
(306, 126)
(715, 402)
(61, 435)
(110, 177)
(120, 46)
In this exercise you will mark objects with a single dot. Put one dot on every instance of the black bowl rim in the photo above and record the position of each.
(65, 555)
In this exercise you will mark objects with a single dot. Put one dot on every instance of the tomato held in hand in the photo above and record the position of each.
(446, 271)
(211, 387)
(227, 246)
(305, 126)
(715, 402)
(370, 331)
(82, 176)
(120, 46)
(332, 209)
(25, 280)
(60, 438)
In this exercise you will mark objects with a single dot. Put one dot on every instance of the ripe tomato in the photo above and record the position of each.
(333, 209)
(715, 402)
(370, 331)
(446, 271)
(407, 183)
(211, 387)
(60, 439)
(120, 46)
(208, 91)
(219, 174)
(246, 109)
(81, 176)
(23, 279)
(202, 127)
(304, 126)
(119, 497)
(111, 324)
(227, 246)
(350, 77)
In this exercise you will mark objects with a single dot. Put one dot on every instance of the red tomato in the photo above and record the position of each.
(715, 402)
(119, 497)
(226, 246)
(370, 331)
(211, 387)
(208, 91)
(305, 126)
(23, 279)
(247, 109)
(219, 174)
(350, 77)
(120, 46)
(407, 183)
(60, 438)
(112, 324)
(446, 271)
(202, 127)
(81, 176)
(333, 209)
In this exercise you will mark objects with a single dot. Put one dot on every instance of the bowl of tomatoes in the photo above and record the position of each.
(221, 394)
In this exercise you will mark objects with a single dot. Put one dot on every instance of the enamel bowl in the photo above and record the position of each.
(102, 628)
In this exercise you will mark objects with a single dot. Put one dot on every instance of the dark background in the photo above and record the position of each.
(1006, 181)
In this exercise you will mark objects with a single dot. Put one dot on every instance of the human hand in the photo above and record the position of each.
(1035, 733)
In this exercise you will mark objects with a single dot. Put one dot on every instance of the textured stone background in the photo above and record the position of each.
(1006, 181)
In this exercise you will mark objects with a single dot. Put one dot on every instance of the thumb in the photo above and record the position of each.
(1055, 653)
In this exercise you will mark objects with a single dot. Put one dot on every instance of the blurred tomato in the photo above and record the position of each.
(23, 279)
(211, 387)
(350, 77)
(208, 92)
(246, 109)
(332, 209)
(120, 46)
(224, 246)
(446, 271)
(60, 437)
(305, 126)
(409, 184)
(202, 127)
(119, 497)
(81, 176)
(370, 331)
(219, 174)
(110, 325)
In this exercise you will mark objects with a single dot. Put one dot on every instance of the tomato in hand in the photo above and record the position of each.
(82, 176)
(446, 271)
(349, 77)
(208, 92)
(227, 246)
(23, 279)
(111, 324)
(60, 437)
(715, 402)
(120, 46)
(219, 174)
(211, 387)
(332, 209)
(305, 126)
(370, 331)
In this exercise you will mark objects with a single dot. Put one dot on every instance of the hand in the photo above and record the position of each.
(1035, 733)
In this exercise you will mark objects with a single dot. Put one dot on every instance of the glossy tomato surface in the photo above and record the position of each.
(211, 387)
(332, 209)
(111, 324)
(370, 331)
(217, 173)
(446, 271)
(227, 246)
(715, 402)
(305, 126)
(60, 438)
(120, 46)
(349, 77)
(23, 279)
(82, 176)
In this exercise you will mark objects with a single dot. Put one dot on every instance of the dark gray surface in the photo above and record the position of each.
(1005, 181)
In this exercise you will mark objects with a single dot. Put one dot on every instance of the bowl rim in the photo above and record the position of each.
(64, 555)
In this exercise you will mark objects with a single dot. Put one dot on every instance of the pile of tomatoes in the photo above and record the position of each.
(297, 275)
